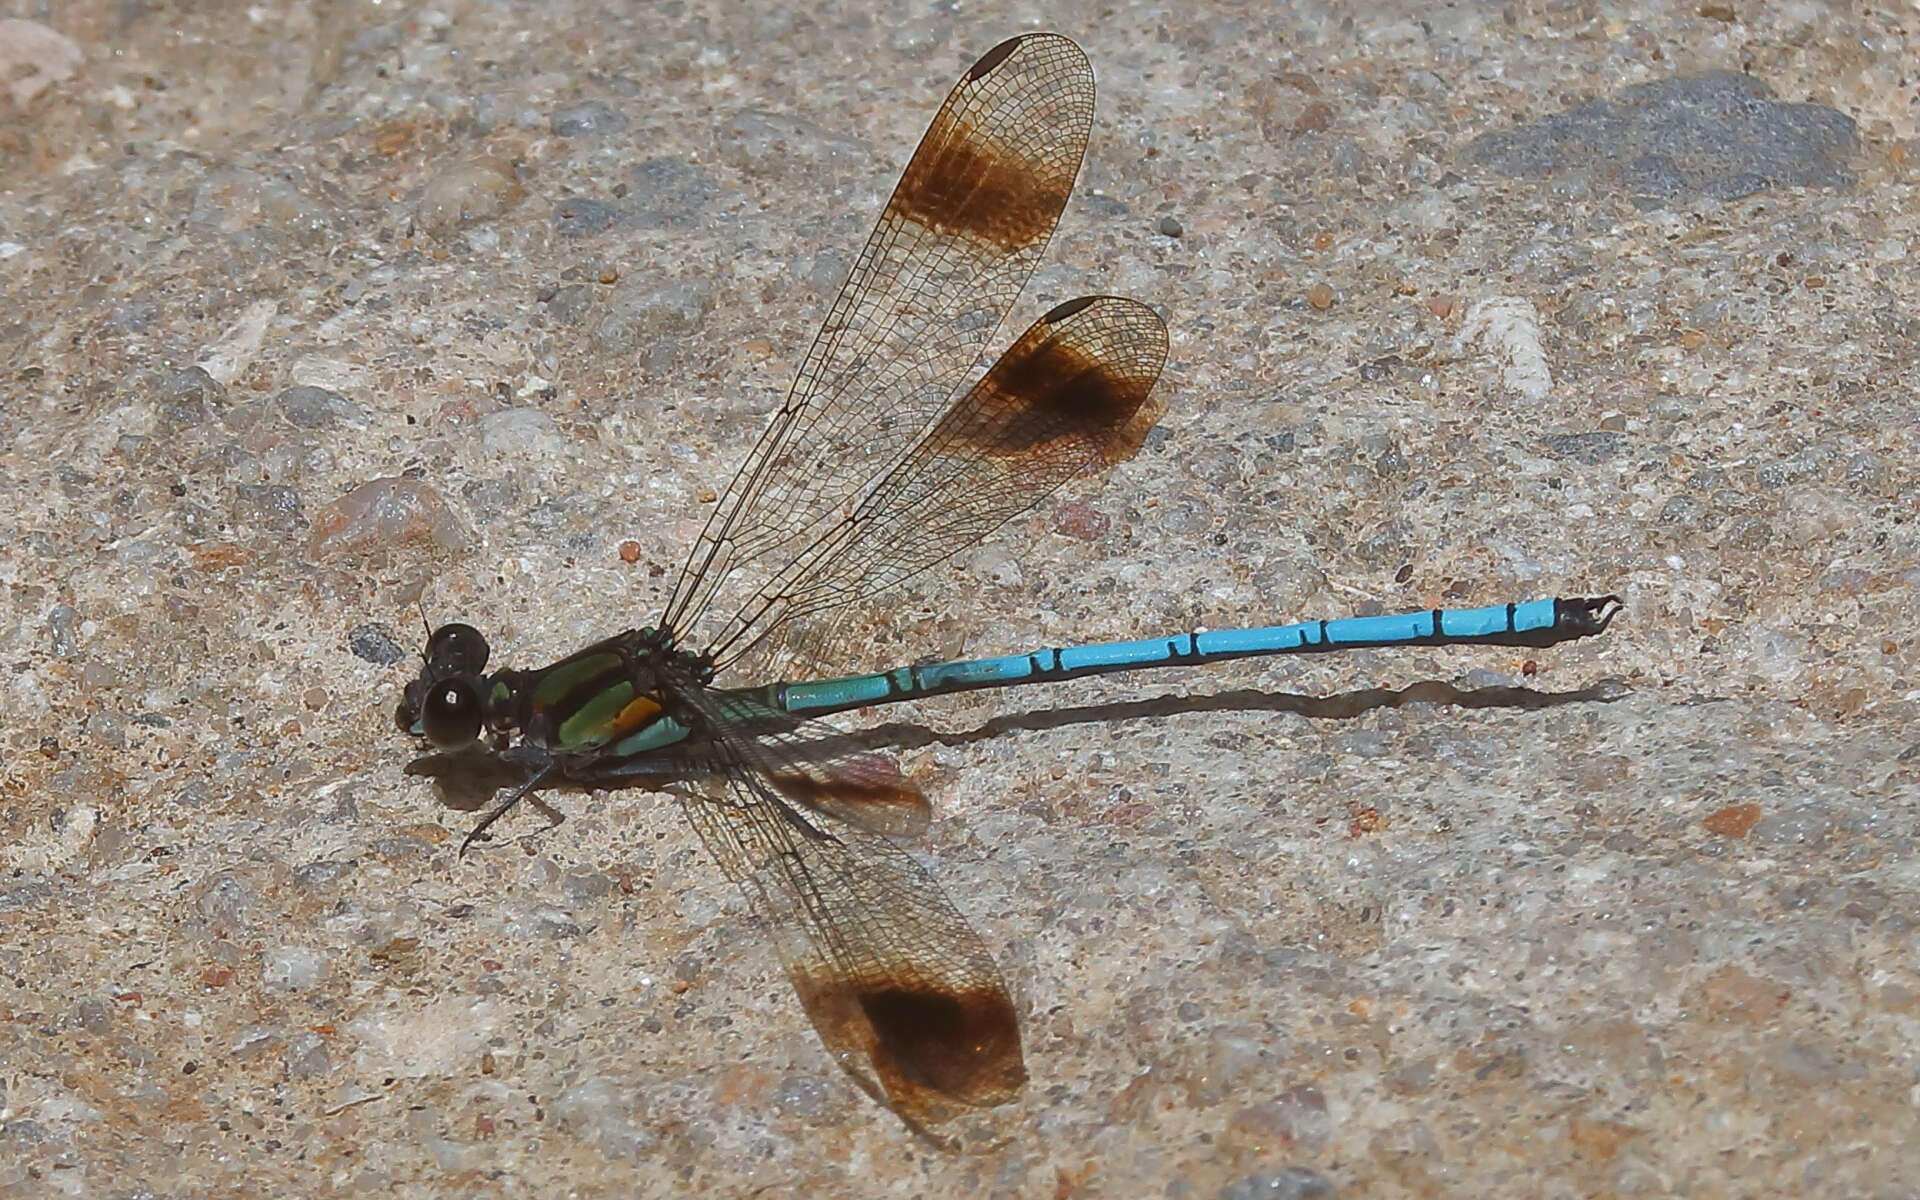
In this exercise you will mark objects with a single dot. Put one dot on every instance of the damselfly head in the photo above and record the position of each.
(444, 704)
(456, 649)
(450, 714)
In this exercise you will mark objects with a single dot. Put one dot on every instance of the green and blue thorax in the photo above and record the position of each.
(607, 700)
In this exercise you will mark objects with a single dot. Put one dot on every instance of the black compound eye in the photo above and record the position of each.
(456, 649)
(451, 716)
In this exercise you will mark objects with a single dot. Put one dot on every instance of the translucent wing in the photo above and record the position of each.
(964, 228)
(901, 990)
(1071, 396)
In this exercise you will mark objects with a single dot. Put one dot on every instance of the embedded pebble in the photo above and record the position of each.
(62, 623)
(592, 119)
(319, 408)
(1718, 135)
(668, 193)
(269, 505)
(466, 191)
(570, 304)
(1290, 1183)
(641, 312)
(306, 1057)
(580, 217)
(595, 1110)
(375, 642)
(385, 513)
(292, 968)
(521, 432)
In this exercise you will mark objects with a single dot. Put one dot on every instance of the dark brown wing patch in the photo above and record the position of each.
(960, 1044)
(1076, 384)
(962, 185)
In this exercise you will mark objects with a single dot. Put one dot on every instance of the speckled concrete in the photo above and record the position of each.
(536, 273)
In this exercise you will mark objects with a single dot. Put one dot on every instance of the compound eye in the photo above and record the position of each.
(457, 649)
(451, 716)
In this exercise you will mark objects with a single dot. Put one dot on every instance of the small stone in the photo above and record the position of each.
(1080, 521)
(640, 314)
(1291, 1183)
(319, 408)
(668, 193)
(473, 190)
(1733, 821)
(107, 728)
(383, 514)
(1719, 135)
(62, 621)
(595, 1111)
(592, 119)
(1589, 448)
(569, 304)
(993, 564)
(292, 968)
(307, 1058)
(1320, 295)
(584, 887)
(272, 506)
(521, 433)
(375, 643)
(580, 217)
(1170, 227)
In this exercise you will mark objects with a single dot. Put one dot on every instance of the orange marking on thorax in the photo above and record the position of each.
(637, 713)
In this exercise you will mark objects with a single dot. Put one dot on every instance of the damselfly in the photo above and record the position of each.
(870, 474)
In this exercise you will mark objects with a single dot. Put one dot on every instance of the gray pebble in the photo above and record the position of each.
(592, 119)
(272, 505)
(569, 304)
(668, 193)
(374, 642)
(1589, 448)
(1719, 135)
(1290, 1183)
(580, 217)
(61, 623)
(646, 312)
(319, 408)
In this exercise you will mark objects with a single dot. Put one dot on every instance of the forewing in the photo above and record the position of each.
(1072, 396)
(963, 230)
(902, 991)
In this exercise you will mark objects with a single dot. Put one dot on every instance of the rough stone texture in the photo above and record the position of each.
(1273, 934)
(1717, 136)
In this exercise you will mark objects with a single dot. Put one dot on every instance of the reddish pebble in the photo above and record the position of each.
(1076, 520)
(1443, 306)
(1320, 296)
(383, 514)
(1316, 117)
(629, 552)
(1734, 821)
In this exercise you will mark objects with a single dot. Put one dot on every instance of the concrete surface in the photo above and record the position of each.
(550, 265)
